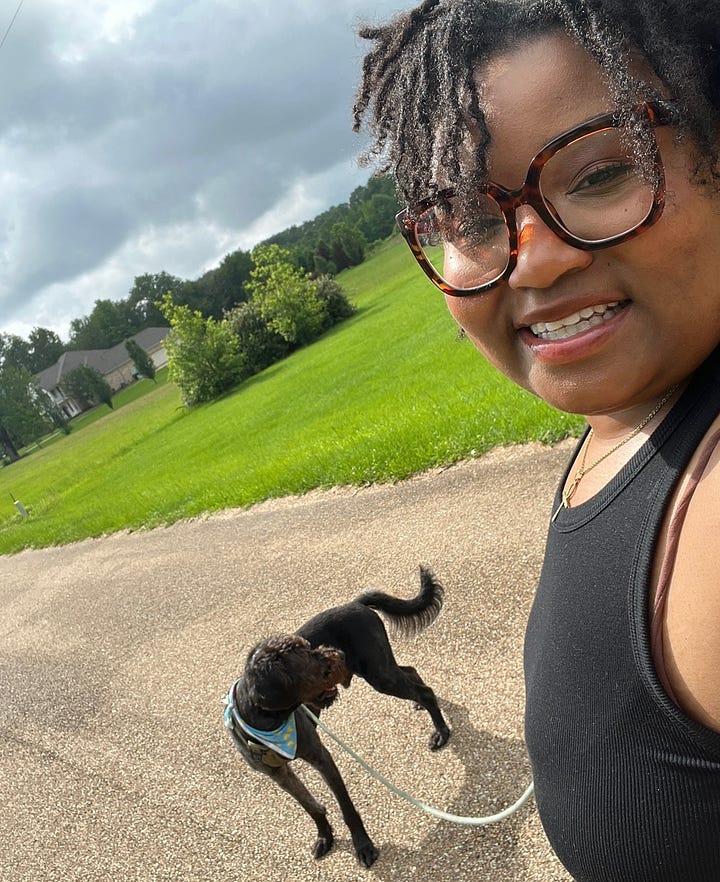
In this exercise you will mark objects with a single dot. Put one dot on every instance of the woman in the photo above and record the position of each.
(559, 161)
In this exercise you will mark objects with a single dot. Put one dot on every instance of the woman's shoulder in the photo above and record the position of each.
(691, 626)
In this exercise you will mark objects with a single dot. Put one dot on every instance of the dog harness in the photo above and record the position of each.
(274, 748)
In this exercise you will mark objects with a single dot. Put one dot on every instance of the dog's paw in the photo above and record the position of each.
(322, 846)
(367, 854)
(438, 739)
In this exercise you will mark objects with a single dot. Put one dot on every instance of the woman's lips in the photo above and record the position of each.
(576, 322)
(575, 335)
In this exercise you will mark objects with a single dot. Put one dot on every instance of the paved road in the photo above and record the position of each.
(115, 654)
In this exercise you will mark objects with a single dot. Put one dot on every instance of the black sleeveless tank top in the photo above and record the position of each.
(627, 786)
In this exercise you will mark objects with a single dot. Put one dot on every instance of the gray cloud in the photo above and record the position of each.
(165, 140)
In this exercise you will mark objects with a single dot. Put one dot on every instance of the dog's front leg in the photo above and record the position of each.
(366, 852)
(288, 780)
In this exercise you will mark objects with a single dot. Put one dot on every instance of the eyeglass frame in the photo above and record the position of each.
(653, 112)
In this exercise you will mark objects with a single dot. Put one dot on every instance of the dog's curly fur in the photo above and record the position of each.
(285, 671)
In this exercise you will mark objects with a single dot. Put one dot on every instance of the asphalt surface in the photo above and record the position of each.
(115, 654)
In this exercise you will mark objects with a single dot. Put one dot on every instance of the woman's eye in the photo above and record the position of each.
(479, 230)
(602, 178)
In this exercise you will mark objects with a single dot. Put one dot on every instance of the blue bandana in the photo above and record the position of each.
(282, 740)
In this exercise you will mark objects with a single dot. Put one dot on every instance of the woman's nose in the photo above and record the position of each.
(543, 258)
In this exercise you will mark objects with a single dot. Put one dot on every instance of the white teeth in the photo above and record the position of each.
(577, 322)
(570, 320)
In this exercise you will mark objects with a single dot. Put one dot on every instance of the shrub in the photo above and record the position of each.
(331, 293)
(286, 296)
(205, 360)
(260, 345)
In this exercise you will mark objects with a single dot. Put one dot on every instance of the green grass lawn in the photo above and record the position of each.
(387, 393)
(123, 397)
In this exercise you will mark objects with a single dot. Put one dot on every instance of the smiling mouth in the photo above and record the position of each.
(578, 322)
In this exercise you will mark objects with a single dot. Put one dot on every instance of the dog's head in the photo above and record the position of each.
(284, 672)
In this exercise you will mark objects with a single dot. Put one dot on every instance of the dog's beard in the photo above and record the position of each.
(326, 698)
(340, 672)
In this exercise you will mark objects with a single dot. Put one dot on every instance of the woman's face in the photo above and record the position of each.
(663, 286)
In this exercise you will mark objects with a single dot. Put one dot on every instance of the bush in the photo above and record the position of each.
(331, 293)
(286, 296)
(204, 354)
(259, 344)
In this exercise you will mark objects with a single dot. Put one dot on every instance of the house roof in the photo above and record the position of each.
(149, 338)
(103, 360)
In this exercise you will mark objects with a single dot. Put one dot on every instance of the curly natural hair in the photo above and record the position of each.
(418, 87)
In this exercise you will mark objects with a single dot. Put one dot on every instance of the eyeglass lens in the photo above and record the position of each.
(593, 189)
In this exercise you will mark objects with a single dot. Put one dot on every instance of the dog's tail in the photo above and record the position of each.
(409, 617)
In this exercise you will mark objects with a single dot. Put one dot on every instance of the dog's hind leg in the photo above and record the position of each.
(405, 682)
(409, 670)
(287, 779)
(321, 760)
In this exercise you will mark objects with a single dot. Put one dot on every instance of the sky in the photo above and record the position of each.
(160, 135)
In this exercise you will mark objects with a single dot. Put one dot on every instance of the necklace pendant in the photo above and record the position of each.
(569, 491)
(567, 495)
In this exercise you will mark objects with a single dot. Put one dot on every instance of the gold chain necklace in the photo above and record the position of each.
(569, 491)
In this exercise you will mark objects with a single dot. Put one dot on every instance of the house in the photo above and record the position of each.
(114, 364)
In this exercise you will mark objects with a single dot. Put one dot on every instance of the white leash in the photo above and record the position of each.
(445, 816)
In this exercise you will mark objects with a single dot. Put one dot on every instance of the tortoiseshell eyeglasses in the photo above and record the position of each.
(586, 186)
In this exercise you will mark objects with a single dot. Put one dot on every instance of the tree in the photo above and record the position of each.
(370, 210)
(347, 245)
(228, 281)
(26, 412)
(204, 355)
(45, 349)
(109, 323)
(7, 445)
(323, 263)
(377, 217)
(287, 297)
(143, 363)
(42, 349)
(14, 352)
(145, 295)
(192, 293)
(88, 385)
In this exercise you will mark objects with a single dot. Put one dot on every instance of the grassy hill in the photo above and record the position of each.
(386, 394)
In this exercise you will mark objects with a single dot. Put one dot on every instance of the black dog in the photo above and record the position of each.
(285, 672)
